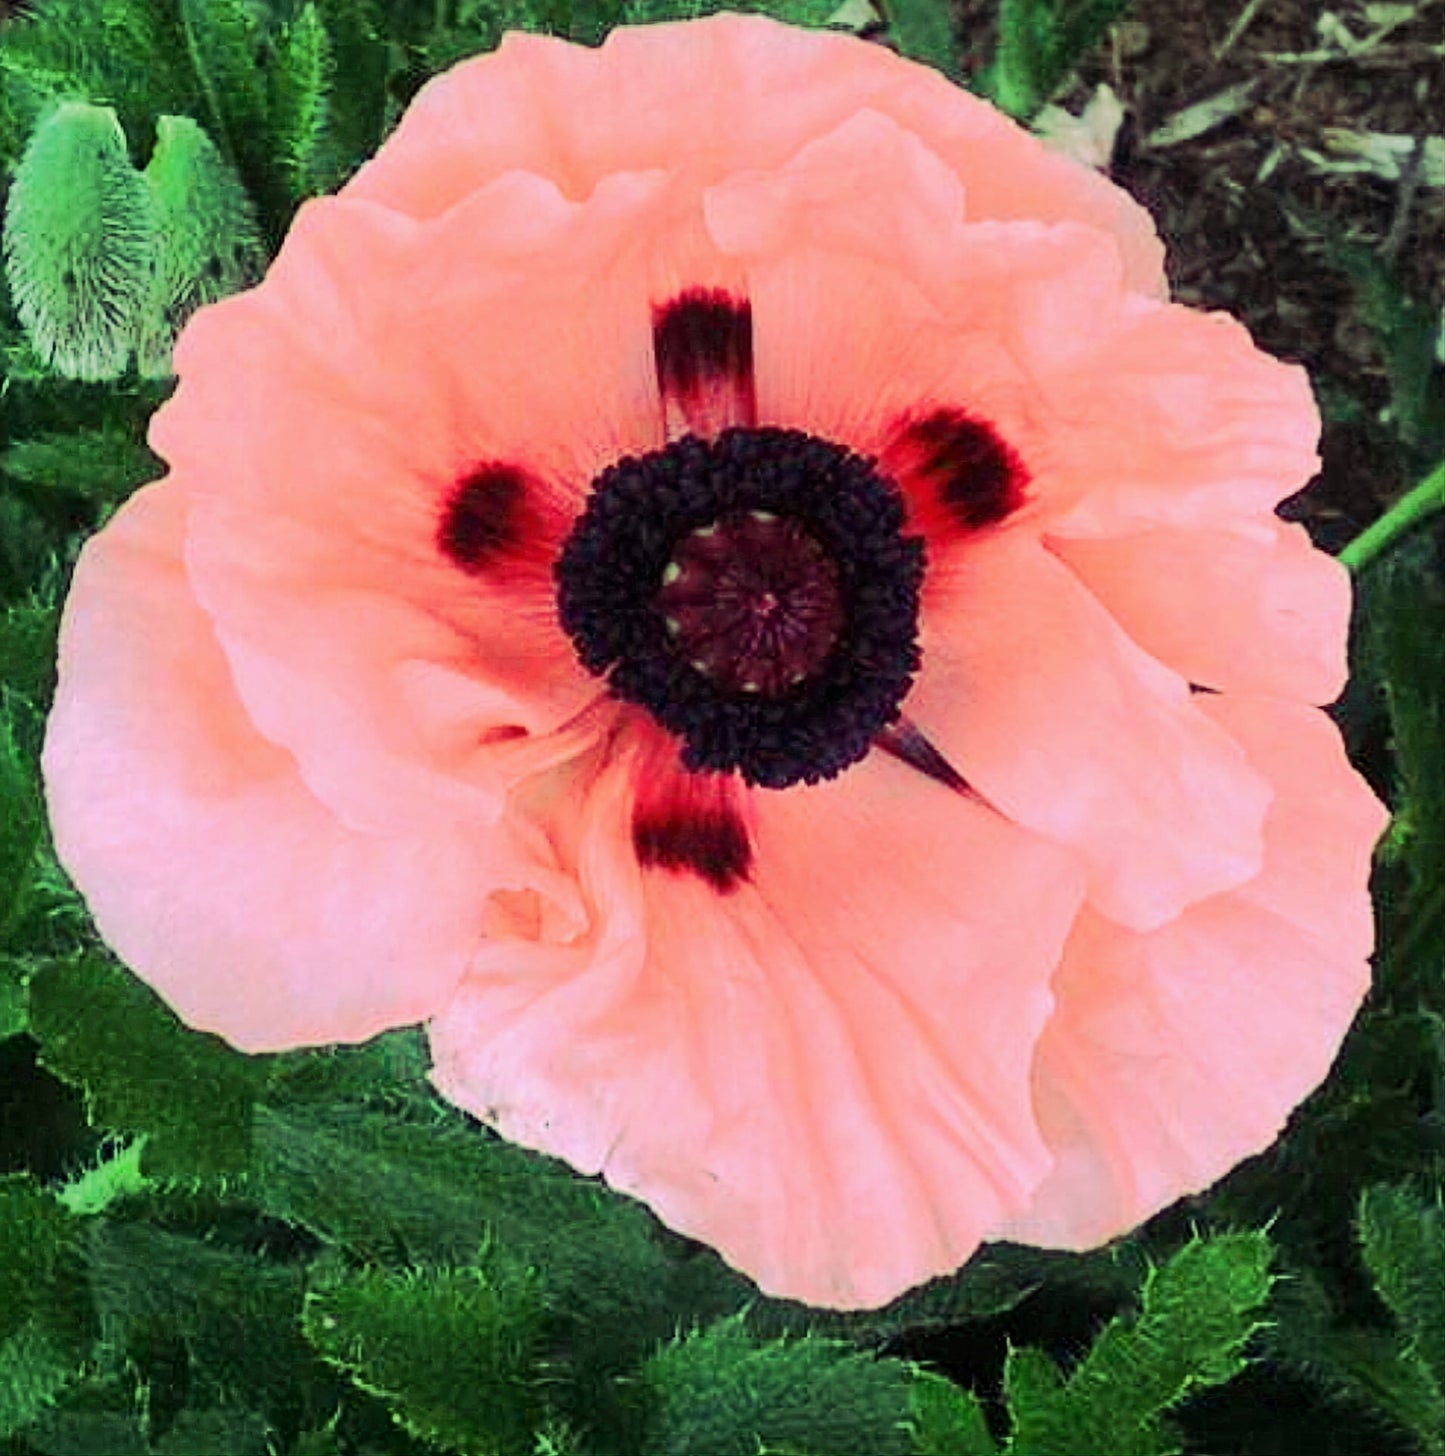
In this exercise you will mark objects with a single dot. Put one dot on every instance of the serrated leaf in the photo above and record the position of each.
(21, 832)
(221, 1432)
(104, 464)
(39, 1243)
(235, 1314)
(128, 53)
(225, 40)
(209, 244)
(1402, 1237)
(1365, 1367)
(102, 1029)
(36, 1365)
(452, 1351)
(1403, 599)
(79, 242)
(719, 1392)
(948, 1421)
(301, 86)
(1199, 1309)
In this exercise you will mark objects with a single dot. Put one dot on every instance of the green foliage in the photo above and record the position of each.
(78, 242)
(229, 1316)
(452, 1351)
(1404, 593)
(1039, 42)
(207, 241)
(141, 1070)
(122, 53)
(301, 85)
(1198, 1311)
(1403, 1240)
(948, 1421)
(22, 817)
(225, 40)
(44, 1328)
(104, 464)
(924, 30)
(721, 1392)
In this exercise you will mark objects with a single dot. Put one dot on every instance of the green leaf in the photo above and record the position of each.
(357, 108)
(719, 1392)
(45, 1320)
(208, 242)
(1368, 1368)
(225, 39)
(924, 30)
(39, 1243)
(100, 1028)
(1403, 600)
(234, 1314)
(301, 86)
(452, 1351)
(948, 1421)
(36, 1365)
(79, 242)
(1199, 1309)
(1040, 42)
(104, 464)
(21, 831)
(1402, 1237)
(126, 53)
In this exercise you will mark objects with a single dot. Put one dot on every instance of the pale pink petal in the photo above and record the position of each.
(817, 1073)
(1174, 1055)
(208, 865)
(1176, 419)
(701, 99)
(328, 418)
(1038, 699)
(1259, 611)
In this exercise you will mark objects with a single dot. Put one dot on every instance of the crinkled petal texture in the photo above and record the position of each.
(1065, 946)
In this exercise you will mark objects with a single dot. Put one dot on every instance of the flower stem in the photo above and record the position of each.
(1413, 507)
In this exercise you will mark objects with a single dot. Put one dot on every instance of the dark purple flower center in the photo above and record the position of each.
(753, 602)
(756, 593)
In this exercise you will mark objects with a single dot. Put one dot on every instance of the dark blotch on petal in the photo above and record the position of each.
(702, 341)
(483, 518)
(709, 843)
(976, 477)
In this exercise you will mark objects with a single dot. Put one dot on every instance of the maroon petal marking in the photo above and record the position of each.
(689, 823)
(958, 474)
(702, 344)
(503, 525)
(906, 742)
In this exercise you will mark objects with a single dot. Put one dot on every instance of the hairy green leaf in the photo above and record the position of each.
(925, 33)
(1402, 1236)
(948, 1421)
(720, 1392)
(100, 1028)
(301, 86)
(1199, 1309)
(79, 242)
(452, 1351)
(105, 464)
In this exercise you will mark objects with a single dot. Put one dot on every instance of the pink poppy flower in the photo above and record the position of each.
(713, 574)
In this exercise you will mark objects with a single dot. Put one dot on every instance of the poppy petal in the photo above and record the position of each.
(1174, 1054)
(1048, 710)
(891, 945)
(377, 370)
(205, 860)
(701, 100)
(1257, 610)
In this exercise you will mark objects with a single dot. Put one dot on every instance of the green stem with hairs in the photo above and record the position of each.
(1408, 512)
